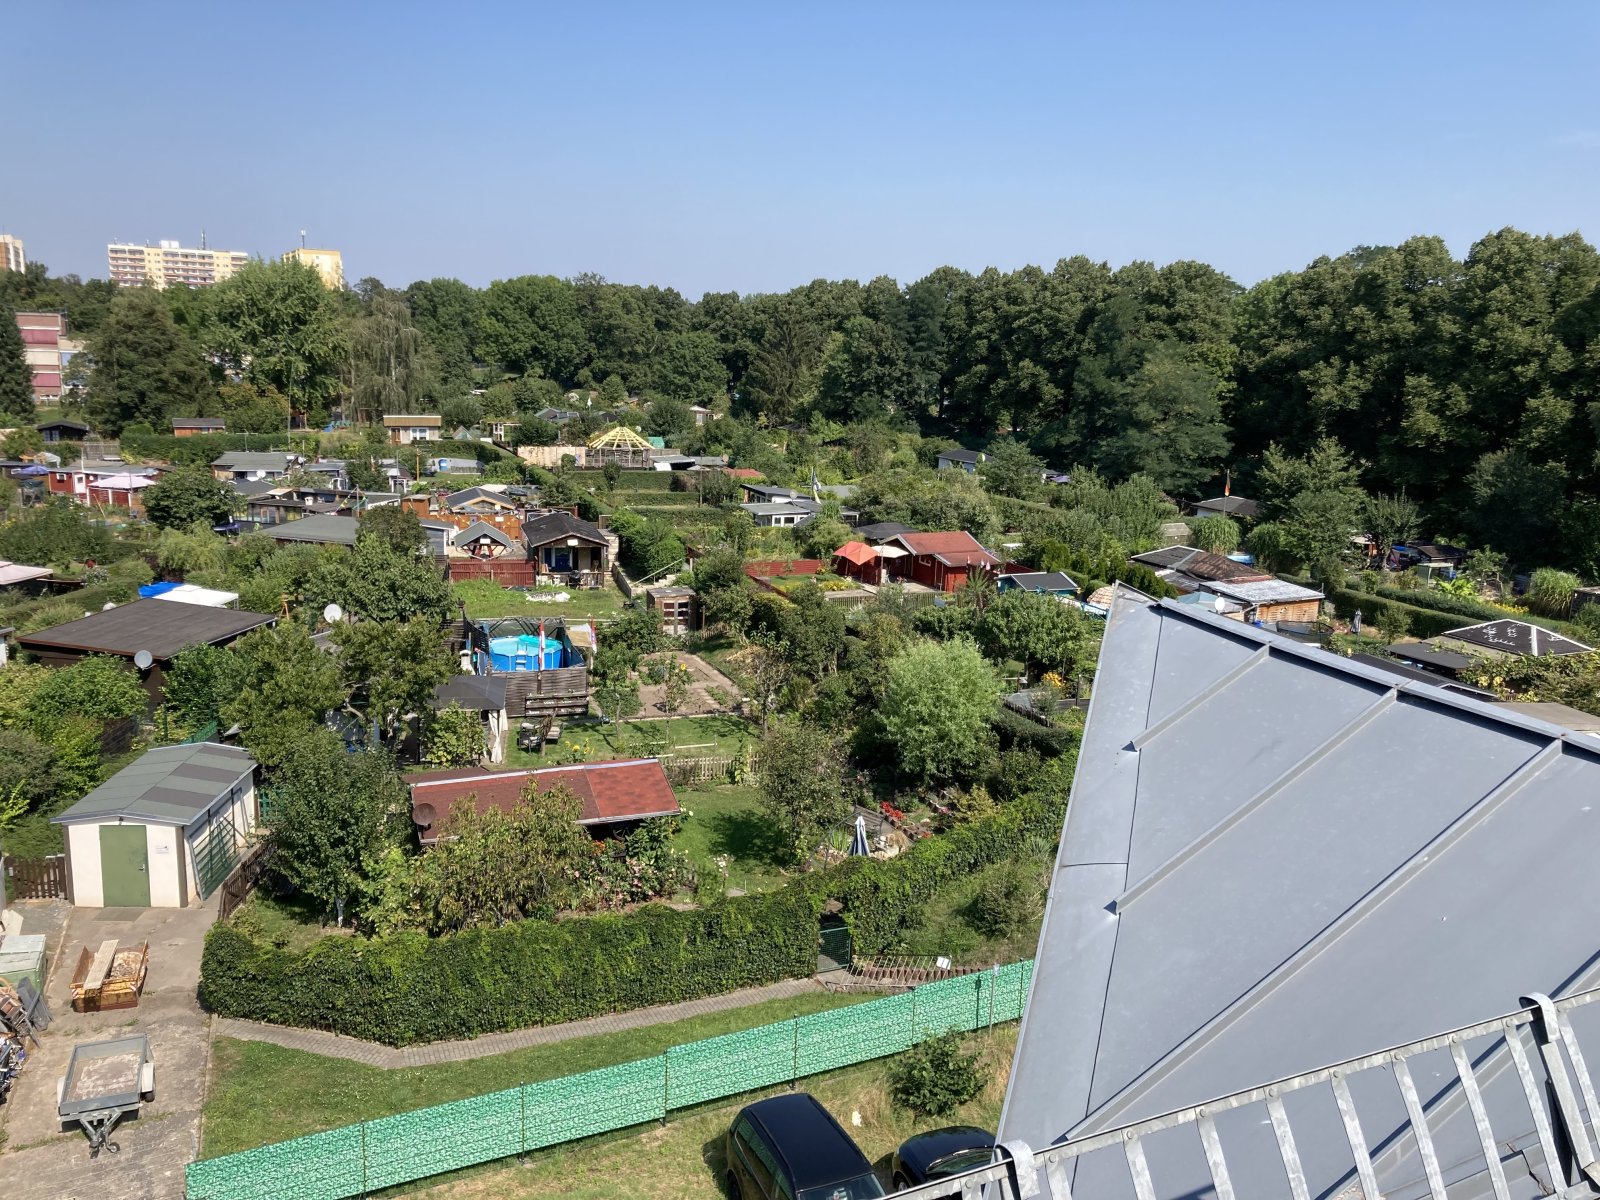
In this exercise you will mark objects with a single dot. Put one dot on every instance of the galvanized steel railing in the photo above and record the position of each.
(1553, 1142)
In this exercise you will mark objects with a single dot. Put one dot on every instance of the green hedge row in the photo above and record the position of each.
(1016, 730)
(1473, 610)
(1425, 623)
(409, 988)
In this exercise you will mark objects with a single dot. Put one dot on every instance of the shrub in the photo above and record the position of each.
(1550, 591)
(1007, 900)
(936, 1077)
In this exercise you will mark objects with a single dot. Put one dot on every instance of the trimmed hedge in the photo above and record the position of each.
(1425, 623)
(1016, 730)
(1474, 611)
(409, 988)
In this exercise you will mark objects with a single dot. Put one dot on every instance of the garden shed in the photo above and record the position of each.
(164, 831)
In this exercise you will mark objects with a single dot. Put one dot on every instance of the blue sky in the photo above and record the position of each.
(753, 147)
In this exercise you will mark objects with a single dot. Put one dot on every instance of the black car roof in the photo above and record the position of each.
(810, 1144)
(924, 1149)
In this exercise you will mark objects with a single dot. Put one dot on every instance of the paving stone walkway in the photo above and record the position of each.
(373, 1054)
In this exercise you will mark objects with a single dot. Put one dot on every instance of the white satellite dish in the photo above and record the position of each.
(142, 659)
(1220, 604)
(332, 614)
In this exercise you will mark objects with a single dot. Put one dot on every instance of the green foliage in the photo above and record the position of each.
(938, 701)
(200, 680)
(530, 323)
(936, 1077)
(1218, 534)
(1039, 631)
(1393, 622)
(376, 582)
(1423, 623)
(98, 687)
(1009, 899)
(400, 529)
(649, 545)
(1550, 592)
(190, 550)
(408, 988)
(331, 816)
(800, 775)
(1015, 730)
(16, 378)
(453, 737)
(494, 866)
(286, 688)
(144, 365)
(187, 496)
(391, 668)
(276, 322)
(57, 532)
(1572, 679)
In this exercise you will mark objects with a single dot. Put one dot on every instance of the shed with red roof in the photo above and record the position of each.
(616, 795)
(942, 561)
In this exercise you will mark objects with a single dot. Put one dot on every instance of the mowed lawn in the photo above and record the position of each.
(262, 1093)
(688, 737)
(683, 1159)
(727, 821)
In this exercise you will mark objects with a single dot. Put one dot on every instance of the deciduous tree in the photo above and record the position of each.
(938, 701)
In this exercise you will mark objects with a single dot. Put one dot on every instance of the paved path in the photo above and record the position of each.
(39, 1161)
(333, 1045)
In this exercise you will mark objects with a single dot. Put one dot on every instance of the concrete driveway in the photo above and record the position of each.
(39, 1161)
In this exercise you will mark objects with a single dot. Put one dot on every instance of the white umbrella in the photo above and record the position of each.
(858, 844)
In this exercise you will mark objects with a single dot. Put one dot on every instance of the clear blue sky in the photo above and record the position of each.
(741, 147)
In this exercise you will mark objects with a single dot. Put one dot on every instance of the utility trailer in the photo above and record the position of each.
(104, 1082)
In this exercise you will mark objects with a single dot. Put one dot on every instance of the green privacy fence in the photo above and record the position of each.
(358, 1159)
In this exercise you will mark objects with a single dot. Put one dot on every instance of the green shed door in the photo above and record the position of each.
(125, 866)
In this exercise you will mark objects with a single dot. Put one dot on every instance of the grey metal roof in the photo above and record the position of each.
(1276, 858)
(326, 528)
(882, 531)
(1230, 506)
(957, 454)
(1261, 591)
(559, 526)
(251, 460)
(480, 693)
(171, 785)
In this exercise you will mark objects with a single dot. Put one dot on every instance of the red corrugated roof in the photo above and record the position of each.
(623, 790)
(956, 548)
(858, 553)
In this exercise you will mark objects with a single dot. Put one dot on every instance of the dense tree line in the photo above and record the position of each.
(1465, 385)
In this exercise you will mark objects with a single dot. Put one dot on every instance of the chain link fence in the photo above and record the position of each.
(359, 1159)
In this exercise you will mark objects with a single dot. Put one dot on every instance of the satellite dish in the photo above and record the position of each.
(142, 659)
(1220, 604)
(332, 614)
(423, 814)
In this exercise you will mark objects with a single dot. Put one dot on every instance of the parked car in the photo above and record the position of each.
(941, 1153)
(790, 1148)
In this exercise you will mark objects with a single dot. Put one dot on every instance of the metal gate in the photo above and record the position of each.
(216, 853)
(833, 951)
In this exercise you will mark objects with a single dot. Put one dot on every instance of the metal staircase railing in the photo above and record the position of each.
(1444, 1144)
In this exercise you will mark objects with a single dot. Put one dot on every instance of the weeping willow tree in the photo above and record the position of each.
(390, 368)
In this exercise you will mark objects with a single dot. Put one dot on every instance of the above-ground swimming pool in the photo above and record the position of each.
(527, 653)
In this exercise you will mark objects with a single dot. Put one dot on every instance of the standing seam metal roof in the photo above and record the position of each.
(1275, 859)
(170, 785)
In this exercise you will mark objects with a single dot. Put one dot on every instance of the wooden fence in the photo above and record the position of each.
(686, 772)
(35, 879)
(242, 880)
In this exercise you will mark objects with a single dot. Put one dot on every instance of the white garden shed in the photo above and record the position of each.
(164, 831)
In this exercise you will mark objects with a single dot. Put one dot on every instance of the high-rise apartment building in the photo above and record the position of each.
(327, 263)
(167, 264)
(42, 338)
(11, 256)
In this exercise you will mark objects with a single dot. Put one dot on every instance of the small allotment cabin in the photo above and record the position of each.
(164, 831)
(941, 561)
